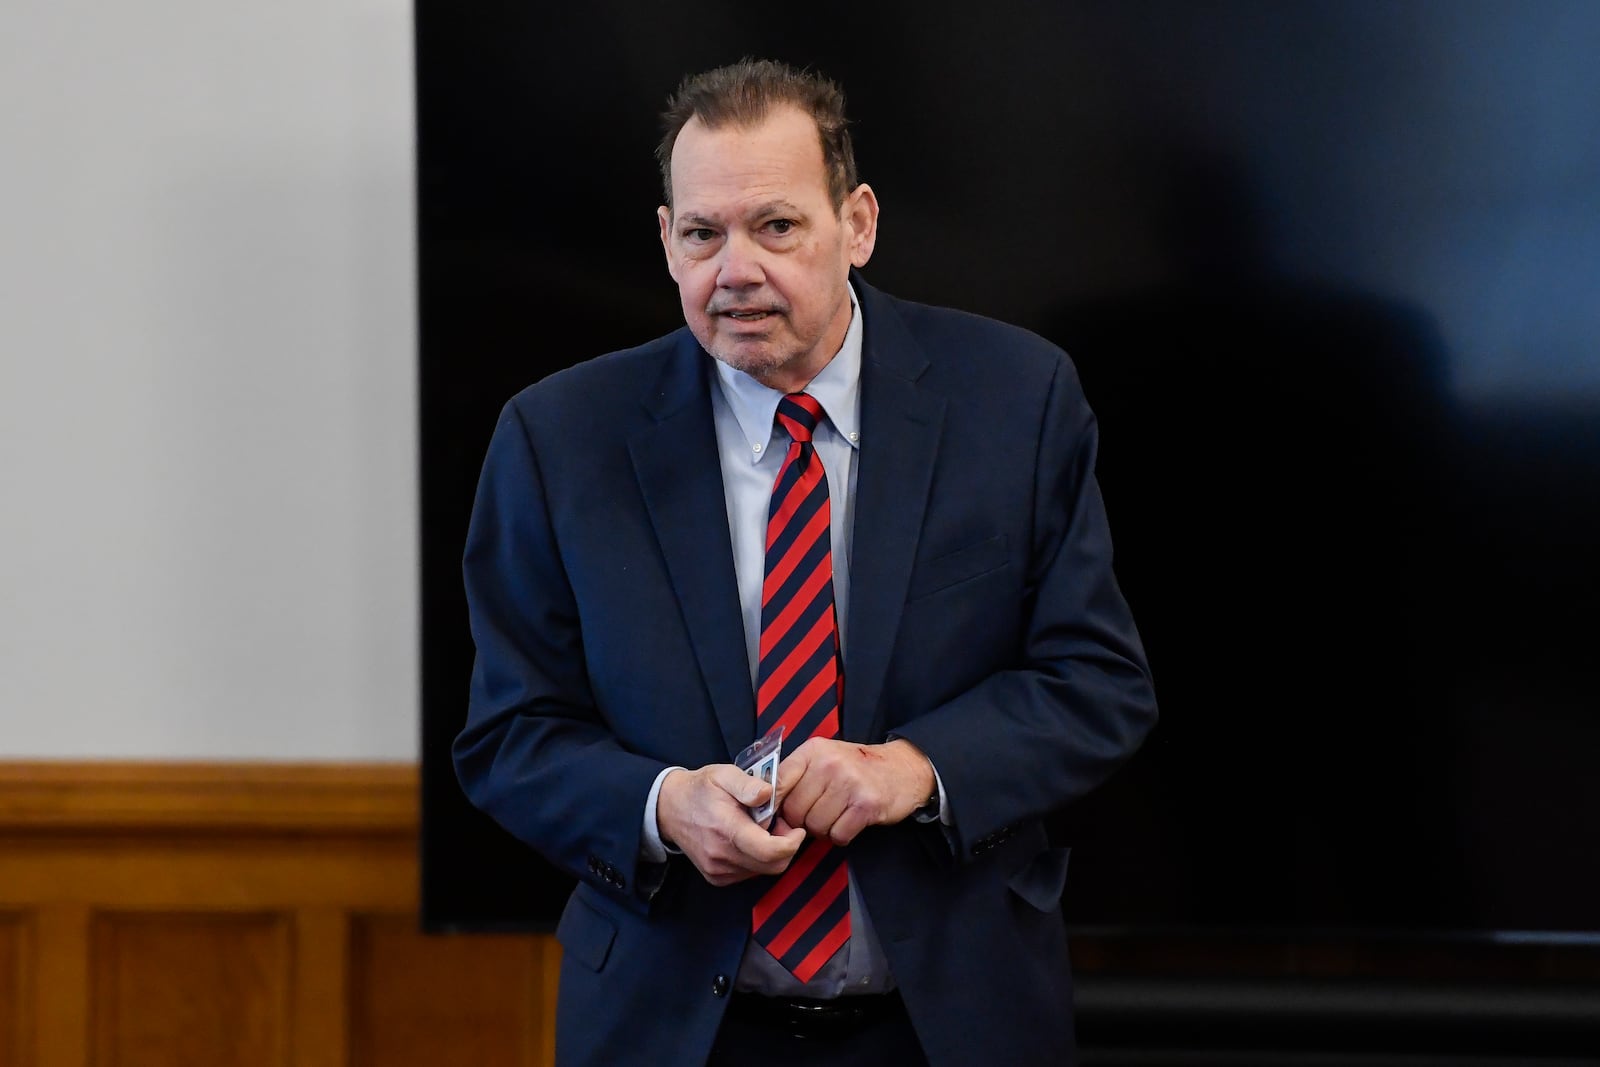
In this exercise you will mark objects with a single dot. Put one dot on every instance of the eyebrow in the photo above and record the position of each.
(770, 208)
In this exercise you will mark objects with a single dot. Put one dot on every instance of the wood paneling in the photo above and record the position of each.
(190, 990)
(321, 988)
(425, 1001)
(61, 985)
(249, 914)
(14, 1007)
(251, 797)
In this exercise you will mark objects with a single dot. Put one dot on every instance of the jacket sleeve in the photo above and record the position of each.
(535, 753)
(1033, 738)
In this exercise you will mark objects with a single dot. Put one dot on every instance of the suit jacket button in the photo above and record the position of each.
(719, 986)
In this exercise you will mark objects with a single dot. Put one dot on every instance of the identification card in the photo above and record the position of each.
(761, 760)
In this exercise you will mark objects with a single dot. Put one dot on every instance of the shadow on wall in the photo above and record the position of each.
(1270, 461)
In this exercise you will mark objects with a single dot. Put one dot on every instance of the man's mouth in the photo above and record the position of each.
(747, 314)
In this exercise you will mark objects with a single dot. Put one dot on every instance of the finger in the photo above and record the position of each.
(773, 855)
(792, 839)
(826, 811)
(732, 877)
(713, 870)
(747, 789)
(848, 825)
(802, 795)
(728, 865)
(766, 853)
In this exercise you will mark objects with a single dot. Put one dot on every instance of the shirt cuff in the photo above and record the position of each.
(943, 815)
(654, 850)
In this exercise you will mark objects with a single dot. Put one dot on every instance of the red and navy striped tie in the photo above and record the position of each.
(804, 917)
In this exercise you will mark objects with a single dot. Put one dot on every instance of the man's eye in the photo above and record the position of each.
(781, 226)
(699, 234)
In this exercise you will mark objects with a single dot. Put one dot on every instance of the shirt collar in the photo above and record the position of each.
(837, 387)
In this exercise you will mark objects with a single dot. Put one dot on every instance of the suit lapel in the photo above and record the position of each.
(900, 429)
(680, 475)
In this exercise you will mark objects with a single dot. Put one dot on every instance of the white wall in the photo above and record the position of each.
(207, 380)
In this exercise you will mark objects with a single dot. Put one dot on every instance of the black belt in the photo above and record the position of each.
(800, 1017)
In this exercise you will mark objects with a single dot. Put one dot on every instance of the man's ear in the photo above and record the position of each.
(860, 215)
(664, 216)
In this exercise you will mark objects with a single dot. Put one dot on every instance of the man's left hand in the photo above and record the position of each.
(837, 789)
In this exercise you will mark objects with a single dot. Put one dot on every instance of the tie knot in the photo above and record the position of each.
(799, 414)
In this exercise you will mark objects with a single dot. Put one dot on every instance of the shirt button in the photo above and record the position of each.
(855, 436)
(719, 985)
(755, 448)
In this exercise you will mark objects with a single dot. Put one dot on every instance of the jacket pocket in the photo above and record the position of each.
(955, 567)
(1040, 882)
(585, 934)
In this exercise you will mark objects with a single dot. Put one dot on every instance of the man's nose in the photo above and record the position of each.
(740, 266)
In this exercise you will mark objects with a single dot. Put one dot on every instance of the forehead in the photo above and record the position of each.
(715, 169)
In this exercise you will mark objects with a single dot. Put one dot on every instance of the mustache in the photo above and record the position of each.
(724, 306)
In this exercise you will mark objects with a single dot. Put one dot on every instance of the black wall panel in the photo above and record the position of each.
(1331, 273)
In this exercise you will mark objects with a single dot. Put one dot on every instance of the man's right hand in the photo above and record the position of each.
(706, 814)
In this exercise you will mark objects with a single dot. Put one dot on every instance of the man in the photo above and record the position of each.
(871, 522)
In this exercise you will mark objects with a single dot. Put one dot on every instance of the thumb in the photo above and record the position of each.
(747, 789)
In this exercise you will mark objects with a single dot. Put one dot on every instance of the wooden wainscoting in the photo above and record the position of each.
(242, 915)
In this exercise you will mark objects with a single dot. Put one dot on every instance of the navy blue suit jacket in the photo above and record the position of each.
(986, 628)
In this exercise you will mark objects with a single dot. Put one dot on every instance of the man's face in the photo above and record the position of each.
(758, 248)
